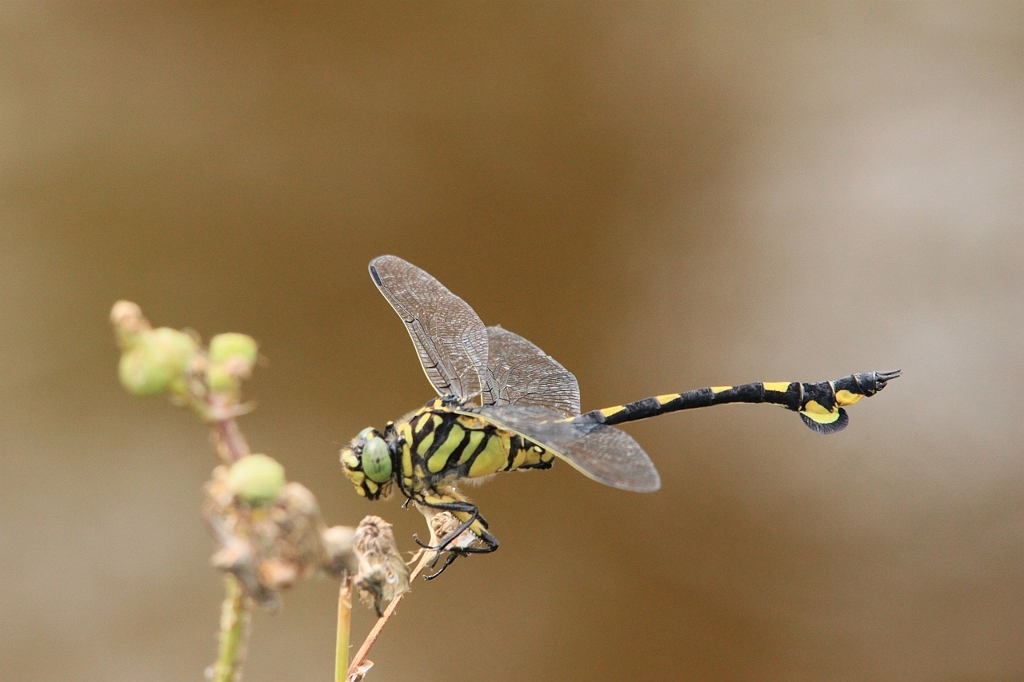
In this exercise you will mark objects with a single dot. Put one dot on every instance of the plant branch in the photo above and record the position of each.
(344, 626)
(357, 668)
(231, 444)
(234, 627)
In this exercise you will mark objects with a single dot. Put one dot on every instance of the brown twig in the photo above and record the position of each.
(357, 668)
(231, 444)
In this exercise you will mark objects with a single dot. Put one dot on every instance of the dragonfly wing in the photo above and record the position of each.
(525, 375)
(603, 453)
(449, 337)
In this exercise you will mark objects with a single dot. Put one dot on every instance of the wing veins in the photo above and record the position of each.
(603, 453)
(450, 340)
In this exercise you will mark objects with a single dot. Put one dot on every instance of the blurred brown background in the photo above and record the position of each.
(662, 196)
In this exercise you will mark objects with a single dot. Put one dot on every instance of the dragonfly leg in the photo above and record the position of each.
(469, 518)
(467, 513)
(453, 554)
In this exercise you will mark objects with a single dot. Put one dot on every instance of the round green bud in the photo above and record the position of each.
(219, 379)
(256, 479)
(157, 361)
(232, 345)
(376, 460)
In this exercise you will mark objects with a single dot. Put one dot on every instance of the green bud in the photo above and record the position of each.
(219, 379)
(224, 347)
(256, 479)
(157, 361)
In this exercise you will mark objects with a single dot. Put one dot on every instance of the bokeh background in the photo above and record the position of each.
(662, 196)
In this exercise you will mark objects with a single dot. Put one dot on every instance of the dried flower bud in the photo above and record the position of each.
(238, 558)
(444, 523)
(156, 361)
(383, 574)
(339, 544)
(128, 322)
(296, 516)
(256, 479)
(277, 574)
(271, 545)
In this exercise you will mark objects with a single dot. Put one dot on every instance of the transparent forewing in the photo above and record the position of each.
(523, 374)
(449, 337)
(604, 453)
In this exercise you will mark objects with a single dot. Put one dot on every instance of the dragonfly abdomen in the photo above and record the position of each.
(819, 404)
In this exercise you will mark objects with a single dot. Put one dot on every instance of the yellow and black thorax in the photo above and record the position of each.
(444, 442)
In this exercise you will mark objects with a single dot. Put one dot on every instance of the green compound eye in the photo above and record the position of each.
(377, 460)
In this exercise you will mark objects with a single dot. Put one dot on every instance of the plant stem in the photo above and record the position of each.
(236, 613)
(357, 668)
(231, 443)
(344, 626)
(234, 627)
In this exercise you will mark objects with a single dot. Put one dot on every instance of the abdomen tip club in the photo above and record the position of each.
(882, 377)
(827, 428)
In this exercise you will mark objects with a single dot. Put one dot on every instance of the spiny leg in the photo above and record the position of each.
(471, 510)
(453, 554)
(467, 513)
(470, 519)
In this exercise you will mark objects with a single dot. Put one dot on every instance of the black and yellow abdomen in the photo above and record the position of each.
(820, 404)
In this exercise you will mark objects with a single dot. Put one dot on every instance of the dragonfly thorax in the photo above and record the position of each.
(370, 464)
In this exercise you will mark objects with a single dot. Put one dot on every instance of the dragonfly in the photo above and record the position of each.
(505, 405)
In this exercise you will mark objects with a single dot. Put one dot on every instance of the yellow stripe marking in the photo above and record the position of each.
(519, 459)
(405, 431)
(422, 421)
(439, 459)
(780, 386)
(474, 442)
(371, 486)
(720, 389)
(609, 411)
(818, 413)
(667, 398)
(492, 459)
(844, 397)
(813, 407)
(425, 444)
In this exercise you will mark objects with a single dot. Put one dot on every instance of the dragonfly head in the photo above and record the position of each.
(369, 465)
